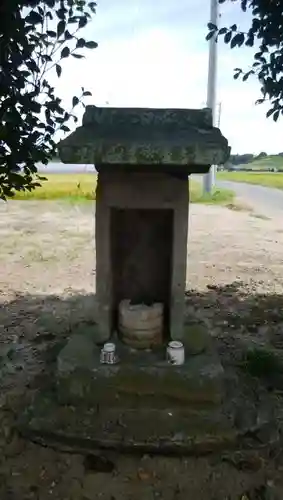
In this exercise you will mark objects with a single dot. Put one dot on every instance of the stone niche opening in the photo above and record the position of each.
(141, 259)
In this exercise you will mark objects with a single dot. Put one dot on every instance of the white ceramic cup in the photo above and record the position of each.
(175, 353)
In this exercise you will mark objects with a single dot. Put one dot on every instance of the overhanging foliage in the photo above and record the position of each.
(266, 31)
(36, 36)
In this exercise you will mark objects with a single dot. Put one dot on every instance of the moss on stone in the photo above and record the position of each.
(118, 136)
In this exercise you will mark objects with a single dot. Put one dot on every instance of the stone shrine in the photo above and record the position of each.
(143, 158)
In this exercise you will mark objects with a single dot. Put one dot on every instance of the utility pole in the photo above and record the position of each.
(219, 114)
(209, 178)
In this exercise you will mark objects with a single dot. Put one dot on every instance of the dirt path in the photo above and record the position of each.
(47, 274)
(48, 247)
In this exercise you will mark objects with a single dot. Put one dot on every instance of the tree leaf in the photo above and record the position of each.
(65, 52)
(77, 56)
(91, 45)
(65, 128)
(82, 22)
(61, 28)
(250, 40)
(73, 19)
(227, 37)
(244, 5)
(46, 57)
(51, 33)
(61, 13)
(237, 73)
(34, 18)
(209, 35)
(32, 66)
(58, 70)
(87, 93)
(75, 101)
(238, 40)
(269, 112)
(68, 35)
(50, 129)
(80, 43)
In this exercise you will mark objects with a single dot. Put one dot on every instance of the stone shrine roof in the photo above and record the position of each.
(145, 136)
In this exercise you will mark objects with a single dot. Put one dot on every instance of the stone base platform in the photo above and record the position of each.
(159, 431)
(142, 378)
(141, 404)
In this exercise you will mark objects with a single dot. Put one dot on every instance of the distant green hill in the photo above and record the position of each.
(266, 163)
(272, 161)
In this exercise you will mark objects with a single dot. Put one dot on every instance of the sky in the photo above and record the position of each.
(154, 54)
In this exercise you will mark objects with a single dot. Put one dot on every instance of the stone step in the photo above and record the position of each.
(167, 430)
(81, 377)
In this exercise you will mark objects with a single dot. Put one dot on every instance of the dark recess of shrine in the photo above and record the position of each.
(141, 257)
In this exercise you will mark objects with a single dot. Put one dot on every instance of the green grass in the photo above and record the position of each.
(81, 187)
(271, 179)
(218, 196)
(73, 187)
(262, 363)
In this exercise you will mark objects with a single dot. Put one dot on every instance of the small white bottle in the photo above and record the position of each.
(108, 354)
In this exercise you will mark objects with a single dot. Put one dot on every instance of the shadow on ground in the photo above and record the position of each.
(226, 309)
(34, 327)
(231, 313)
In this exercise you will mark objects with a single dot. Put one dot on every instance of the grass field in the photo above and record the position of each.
(81, 187)
(274, 180)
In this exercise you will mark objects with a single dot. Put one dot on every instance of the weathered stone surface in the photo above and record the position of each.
(145, 405)
(82, 377)
(125, 118)
(79, 351)
(178, 429)
(137, 136)
(197, 339)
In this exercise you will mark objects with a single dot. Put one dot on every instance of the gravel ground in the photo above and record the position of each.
(47, 275)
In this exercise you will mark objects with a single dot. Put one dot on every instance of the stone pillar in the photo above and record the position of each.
(103, 268)
(179, 267)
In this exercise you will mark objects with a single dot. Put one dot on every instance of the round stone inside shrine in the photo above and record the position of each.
(141, 325)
